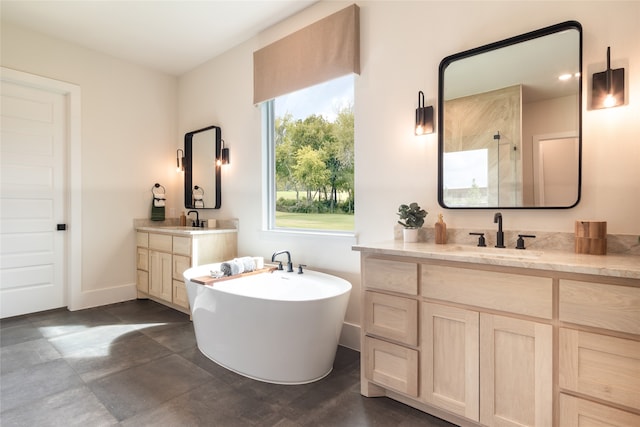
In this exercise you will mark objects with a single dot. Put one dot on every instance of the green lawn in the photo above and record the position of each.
(338, 222)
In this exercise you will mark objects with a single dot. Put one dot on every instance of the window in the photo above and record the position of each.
(309, 136)
(460, 165)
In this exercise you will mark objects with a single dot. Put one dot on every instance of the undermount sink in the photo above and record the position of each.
(486, 252)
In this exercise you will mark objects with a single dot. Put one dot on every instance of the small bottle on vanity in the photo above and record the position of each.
(441, 231)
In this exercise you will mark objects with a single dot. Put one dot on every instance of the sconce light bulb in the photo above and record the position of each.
(218, 162)
(178, 169)
(419, 130)
(609, 101)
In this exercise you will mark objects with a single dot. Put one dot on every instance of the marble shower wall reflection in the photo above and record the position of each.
(488, 121)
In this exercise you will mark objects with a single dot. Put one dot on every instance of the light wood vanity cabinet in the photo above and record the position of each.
(500, 346)
(162, 258)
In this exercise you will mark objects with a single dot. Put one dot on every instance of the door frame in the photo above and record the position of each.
(537, 166)
(73, 176)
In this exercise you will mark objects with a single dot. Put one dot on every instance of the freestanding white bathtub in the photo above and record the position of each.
(275, 327)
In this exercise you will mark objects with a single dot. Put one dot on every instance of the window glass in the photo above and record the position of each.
(465, 182)
(310, 141)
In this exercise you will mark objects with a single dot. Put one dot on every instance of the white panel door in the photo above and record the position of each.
(32, 199)
(555, 170)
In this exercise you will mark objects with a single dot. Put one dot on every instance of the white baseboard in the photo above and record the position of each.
(350, 336)
(98, 297)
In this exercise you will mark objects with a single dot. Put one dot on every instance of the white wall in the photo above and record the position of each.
(402, 44)
(128, 143)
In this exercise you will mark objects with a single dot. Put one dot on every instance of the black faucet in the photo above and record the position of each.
(497, 218)
(195, 223)
(289, 263)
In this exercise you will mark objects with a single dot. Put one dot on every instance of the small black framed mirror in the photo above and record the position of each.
(202, 182)
(510, 122)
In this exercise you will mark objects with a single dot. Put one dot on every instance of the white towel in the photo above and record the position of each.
(248, 263)
(158, 203)
(231, 268)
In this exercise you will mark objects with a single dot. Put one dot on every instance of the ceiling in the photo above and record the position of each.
(173, 36)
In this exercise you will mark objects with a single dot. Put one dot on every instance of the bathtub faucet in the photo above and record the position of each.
(289, 263)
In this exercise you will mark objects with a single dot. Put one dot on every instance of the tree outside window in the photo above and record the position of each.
(314, 161)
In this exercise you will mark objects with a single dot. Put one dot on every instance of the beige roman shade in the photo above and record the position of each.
(322, 51)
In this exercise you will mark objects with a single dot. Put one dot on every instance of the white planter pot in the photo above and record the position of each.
(410, 235)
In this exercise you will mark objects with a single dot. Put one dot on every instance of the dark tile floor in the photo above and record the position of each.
(136, 364)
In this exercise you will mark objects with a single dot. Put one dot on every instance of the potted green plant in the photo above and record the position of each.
(412, 219)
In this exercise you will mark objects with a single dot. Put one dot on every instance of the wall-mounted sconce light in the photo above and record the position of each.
(424, 116)
(179, 160)
(608, 86)
(225, 159)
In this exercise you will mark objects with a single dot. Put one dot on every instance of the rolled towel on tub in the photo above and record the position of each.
(231, 268)
(248, 263)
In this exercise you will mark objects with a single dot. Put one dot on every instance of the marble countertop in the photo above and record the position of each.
(612, 265)
(185, 230)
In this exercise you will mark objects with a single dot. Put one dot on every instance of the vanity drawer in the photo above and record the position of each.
(600, 366)
(392, 317)
(392, 366)
(180, 264)
(395, 276)
(182, 245)
(142, 239)
(514, 293)
(576, 412)
(180, 296)
(160, 242)
(142, 259)
(142, 281)
(604, 306)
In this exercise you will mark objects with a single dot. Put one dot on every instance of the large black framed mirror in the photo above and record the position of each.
(201, 168)
(510, 122)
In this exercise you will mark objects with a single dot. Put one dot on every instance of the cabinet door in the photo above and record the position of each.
(600, 366)
(160, 281)
(575, 412)
(515, 372)
(449, 359)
